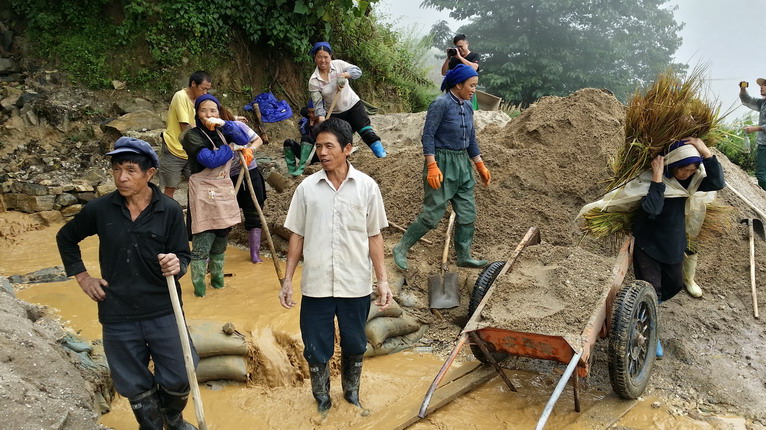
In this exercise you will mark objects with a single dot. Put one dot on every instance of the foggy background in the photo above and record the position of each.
(725, 35)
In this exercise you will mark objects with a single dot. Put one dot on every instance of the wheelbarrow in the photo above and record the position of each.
(626, 314)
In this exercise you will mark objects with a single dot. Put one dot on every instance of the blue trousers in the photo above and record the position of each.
(318, 326)
(129, 346)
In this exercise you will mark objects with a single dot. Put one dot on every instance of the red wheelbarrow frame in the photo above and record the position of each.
(540, 346)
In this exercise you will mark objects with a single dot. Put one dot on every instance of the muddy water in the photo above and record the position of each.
(390, 383)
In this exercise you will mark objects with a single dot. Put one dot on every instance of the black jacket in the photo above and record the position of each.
(128, 253)
(659, 224)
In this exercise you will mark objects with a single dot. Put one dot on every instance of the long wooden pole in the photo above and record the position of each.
(752, 268)
(186, 348)
(264, 224)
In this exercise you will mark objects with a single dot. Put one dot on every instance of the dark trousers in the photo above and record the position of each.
(667, 279)
(129, 346)
(245, 201)
(318, 326)
(360, 122)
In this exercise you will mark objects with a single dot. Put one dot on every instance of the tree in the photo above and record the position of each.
(441, 35)
(532, 48)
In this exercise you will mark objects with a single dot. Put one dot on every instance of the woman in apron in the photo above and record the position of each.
(213, 208)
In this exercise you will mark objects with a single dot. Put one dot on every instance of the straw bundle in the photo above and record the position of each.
(670, 110)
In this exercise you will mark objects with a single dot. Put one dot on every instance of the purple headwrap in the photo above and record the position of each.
(318, 46)
(198, 102)
(459, 74)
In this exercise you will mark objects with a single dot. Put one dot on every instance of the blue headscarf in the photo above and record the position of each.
(198, 102)
(459, 74)
(692, 156)
(318, 46)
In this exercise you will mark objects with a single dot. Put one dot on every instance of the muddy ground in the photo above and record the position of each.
(545, 165)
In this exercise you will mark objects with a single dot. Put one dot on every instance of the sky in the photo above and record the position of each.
(720, 34)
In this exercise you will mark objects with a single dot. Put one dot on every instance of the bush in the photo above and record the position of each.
(733, 144)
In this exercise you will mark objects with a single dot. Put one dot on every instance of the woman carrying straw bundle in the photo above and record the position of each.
(669, 203)
(449, 146)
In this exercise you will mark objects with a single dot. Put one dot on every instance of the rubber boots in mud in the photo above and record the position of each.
(690, 269)
(415, 231)
(146, 408)
(304, 161)
(198, 271)
(463, 241)
(320, 386)
(350, 377)
(290, 160)
(255, 245)
(172, 406)
(216, 270)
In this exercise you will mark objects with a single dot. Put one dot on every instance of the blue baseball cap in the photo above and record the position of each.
(137, 146)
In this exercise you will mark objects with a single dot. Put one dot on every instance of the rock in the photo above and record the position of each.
(105, 188)
(50, 217)
(137, 104)
(29, 188)
(138, 121)
(119, 85)
(32, 204)
(66, 199)
(8, 66)
(82, 187)
(31, 118)
(9, 201)
(7, 40)
(26, 98)
(85, 197)
(5, 285)
(71, 210)
(9, 102)
(11, 91)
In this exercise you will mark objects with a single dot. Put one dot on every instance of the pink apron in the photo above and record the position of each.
(212, 201)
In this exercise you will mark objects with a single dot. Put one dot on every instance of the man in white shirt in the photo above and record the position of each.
(336, 216)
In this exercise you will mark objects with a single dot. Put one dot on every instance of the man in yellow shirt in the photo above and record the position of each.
(173, 165)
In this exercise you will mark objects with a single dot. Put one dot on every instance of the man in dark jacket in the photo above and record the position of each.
(142, 240)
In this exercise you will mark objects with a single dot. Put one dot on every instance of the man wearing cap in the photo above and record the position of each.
(758, 105)
(142, 239)
(180, 117)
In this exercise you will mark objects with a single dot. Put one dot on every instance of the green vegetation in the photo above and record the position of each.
(146, 42)
(533, 48)
(731, 141)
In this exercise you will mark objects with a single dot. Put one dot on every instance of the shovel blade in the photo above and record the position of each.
(443, 293)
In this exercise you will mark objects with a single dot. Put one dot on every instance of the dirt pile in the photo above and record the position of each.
(537, 295)
(40, 385)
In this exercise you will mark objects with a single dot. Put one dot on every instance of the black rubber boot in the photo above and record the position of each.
(320, 386)
(146, 408)
(172, 406)
(463, 241)
(350, 377)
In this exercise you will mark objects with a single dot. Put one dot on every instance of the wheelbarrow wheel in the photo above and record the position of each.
(480, 288)
(633, 339)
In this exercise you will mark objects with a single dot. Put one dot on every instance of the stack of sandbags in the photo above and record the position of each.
(391, 330)
(222, 351)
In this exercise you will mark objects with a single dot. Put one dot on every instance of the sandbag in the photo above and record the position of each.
(396, 344)
(225, 367)
(393, 310)
(210, 340)
(382, 328)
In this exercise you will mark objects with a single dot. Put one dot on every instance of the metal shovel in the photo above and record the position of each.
(443, 288)
(754, 224)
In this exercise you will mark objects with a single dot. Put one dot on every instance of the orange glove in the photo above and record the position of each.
(248, 154)
(483, 173)
(435, 176)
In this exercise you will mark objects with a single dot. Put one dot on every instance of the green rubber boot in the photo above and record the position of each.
(415, 231)
(289, 159)
(463, 240)
(216, 270)
(198, 270)
(304, 161)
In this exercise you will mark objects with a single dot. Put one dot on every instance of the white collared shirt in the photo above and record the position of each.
(336, 226)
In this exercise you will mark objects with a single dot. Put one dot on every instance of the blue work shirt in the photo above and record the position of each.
(449, 125)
